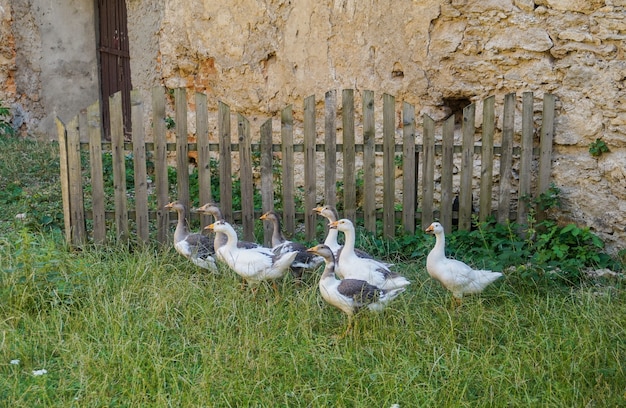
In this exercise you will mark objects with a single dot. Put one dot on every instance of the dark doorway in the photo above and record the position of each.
(114, 56)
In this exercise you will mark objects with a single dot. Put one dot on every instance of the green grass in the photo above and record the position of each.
(120, 328)
(137, 327)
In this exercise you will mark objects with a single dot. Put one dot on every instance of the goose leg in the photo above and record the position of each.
(276, 292)
(348, 328)
(456, 302)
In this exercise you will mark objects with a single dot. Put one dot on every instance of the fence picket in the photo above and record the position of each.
(225, 161)
(330, 149)
(160, 162)
(428, 170)
(310, 190)
(267, 178)
(349, 154)
(139, 167)
(409, 183)
(447, 171)
(65, 179)
(526, 157)
(545, 148)
(369, 162)
(389, 154)
(245, 177)
(467, 166)
(506, 158)
(486, 165)
(182, 149)
(204, 157)
(94, 131)
(286, 136)
(119, 166)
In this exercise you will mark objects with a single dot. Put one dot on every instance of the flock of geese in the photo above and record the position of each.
(352, 279)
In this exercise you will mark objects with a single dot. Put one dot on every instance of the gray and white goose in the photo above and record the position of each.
(254, 265)
(304, 259)
(350, 295)
(349, 265)
(196, 247)
(330, 213)
(220, 238)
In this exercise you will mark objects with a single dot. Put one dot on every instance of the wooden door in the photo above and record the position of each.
(114, 55)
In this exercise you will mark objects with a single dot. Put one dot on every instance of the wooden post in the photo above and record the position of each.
(245, 177)
(349, 154)
(428, 171)
(309, 167)
(204, 158)
(545, 149)
(526, 157)
(182, 149)
(330, 149)
(225, 165)
(139, 161)
(160, 162)
(119, 166)
(409, 194)
(286, 136)
(506, 158)
(389, 154)
(467, 165)
(486, 164)
(94, 129)
(369, 162)
(65, 179)
(447, 170)
(79, 234)
(267, 178)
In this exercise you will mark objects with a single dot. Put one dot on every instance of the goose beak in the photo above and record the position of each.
(201, 209)
(263, 217)
(333, 225)
(313, 249)
(210, 227)
(169, 205)
(317, 210)
(429, 229)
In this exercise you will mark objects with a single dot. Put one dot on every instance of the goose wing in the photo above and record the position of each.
(360, 291)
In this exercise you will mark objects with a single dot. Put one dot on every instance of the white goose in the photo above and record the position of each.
(349, 265)
(254, 265)
(349, 295)
(220, 238)
(330, 213)
(304, 260)
(456, 276)
(196, 247)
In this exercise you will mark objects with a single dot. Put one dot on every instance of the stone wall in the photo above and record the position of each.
(55, 70)
(435, 54)
(7, 55)
(438, 55)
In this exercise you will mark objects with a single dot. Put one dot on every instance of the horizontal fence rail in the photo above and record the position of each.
(437, 175)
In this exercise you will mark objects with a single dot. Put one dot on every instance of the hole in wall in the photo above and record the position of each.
(456, 106)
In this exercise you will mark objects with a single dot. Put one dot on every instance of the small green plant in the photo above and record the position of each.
(170, 123)
(398, 161)
(598, 147)
(5, 121)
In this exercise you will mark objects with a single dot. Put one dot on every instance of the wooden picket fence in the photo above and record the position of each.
(420, 163)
